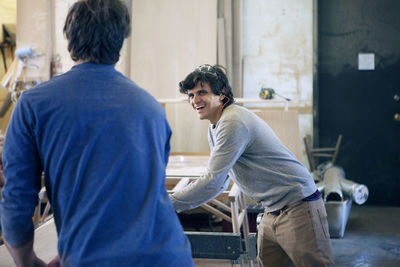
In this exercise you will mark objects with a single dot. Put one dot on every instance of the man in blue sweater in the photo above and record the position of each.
(103, 145)
(294, 228)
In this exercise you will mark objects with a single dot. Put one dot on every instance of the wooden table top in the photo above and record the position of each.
(186, 165)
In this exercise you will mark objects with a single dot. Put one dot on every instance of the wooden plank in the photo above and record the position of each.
(235, 217)
(216, 212)
(175, 47)
(234, 192)
(221, 205)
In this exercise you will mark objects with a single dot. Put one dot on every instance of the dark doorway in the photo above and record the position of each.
(358, 91)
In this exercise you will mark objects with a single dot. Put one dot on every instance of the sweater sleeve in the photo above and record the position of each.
(231, 139)
(22, 172)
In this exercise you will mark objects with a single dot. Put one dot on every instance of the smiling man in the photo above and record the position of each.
(294, 228)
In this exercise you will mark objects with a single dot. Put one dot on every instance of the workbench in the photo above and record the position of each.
(238, 246)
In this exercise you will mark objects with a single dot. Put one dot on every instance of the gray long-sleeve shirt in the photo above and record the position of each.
(244, 148)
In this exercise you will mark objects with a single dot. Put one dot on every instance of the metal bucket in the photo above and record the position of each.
(338, 214)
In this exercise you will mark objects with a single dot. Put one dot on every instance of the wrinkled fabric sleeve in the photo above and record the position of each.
(22, 171)
(231, 140)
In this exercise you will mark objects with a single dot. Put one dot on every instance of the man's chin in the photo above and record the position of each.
(201, 117)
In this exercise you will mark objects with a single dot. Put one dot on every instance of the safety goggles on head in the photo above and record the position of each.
(207, 69)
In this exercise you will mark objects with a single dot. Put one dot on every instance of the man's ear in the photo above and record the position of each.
(222, 95)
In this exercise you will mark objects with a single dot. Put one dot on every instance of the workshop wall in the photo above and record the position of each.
(278, 53)
(170, 38)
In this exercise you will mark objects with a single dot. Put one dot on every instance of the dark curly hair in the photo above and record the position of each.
(213, 75)
(96, 29)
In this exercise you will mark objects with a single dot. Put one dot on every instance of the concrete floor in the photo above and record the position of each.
(371, 238)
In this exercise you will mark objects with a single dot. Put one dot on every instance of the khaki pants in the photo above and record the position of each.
(298, 236)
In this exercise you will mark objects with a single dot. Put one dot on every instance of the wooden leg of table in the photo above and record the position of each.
(245, 224)
(36, 215)
(246, 229)
(235, 217)
(46, 211)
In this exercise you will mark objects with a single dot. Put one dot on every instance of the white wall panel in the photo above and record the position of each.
(169, 39)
